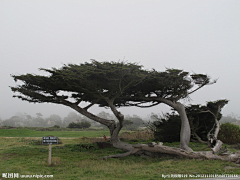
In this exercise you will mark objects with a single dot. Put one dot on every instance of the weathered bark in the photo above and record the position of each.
(217, 147)
(217, 128)
(215, 115)
(155, 149)
(117, 143)
(87, 114)
(185, 133)
(177, 152)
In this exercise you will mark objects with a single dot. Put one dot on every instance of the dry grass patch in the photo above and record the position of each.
(137, 135)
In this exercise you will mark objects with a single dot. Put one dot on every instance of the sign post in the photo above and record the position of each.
(50, 140)
(50, 154)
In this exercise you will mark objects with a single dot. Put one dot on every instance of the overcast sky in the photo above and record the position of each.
(196, 36)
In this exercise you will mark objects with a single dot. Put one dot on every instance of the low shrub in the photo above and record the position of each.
(229, 133)
(81, 125)
(56, 126)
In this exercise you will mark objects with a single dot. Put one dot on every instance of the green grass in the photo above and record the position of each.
(19, 155)
(34, 133)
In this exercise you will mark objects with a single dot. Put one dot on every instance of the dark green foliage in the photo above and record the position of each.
(85, 124)
(89, 82)
(81, 125)
(172, 84)
(167, 128)
(56, 126)
(201, 120)
(229, 133)
(73, 125)
(95, 81)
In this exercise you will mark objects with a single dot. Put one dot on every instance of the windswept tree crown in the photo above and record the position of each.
(90, 82)
(96, 82)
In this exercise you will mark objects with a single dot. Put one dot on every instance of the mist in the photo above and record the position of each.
(196, 36)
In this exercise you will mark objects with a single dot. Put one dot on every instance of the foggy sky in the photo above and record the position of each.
(196, 36)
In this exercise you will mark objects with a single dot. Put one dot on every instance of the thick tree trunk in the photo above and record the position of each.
(185, 133)
(114, 130)
(115, 141)
(217, 128)
(154, 150)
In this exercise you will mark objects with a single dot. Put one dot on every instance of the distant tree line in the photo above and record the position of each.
(25, 120)
(72, 120)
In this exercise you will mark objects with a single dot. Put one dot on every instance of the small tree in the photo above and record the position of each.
(203, 121)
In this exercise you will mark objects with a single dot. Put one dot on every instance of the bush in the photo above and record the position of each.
(229, 133)
(56, 126)
(85, 124)
(166, 128)
(81, 125)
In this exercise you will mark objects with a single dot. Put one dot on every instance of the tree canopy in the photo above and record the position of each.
(97, 81)
(88, 82)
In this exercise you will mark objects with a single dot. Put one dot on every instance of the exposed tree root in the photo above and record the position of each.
(153, 149)
(122, 155)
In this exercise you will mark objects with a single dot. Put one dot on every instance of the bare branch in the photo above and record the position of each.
(146, 106)
(90, 105)
(208, 112)
(78, 101)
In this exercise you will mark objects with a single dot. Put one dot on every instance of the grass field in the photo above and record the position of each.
(34, 133)
(21, 155)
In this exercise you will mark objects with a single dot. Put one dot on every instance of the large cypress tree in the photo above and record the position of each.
(112, 85)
